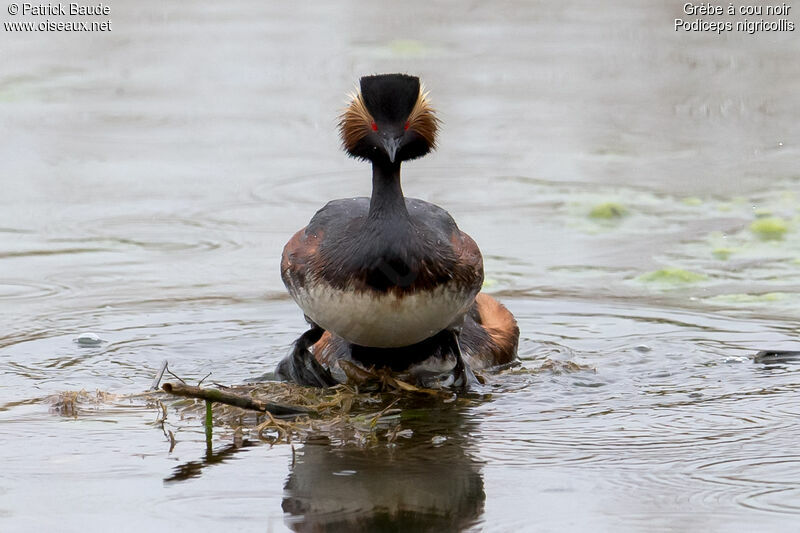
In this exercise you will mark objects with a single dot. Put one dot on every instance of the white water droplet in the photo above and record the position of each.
(88, 339)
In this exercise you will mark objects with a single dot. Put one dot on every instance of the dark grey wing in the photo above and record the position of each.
(467, 264)
(431, 218)
(337, 216)
(303, 254)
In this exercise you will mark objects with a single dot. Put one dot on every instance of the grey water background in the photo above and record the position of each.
(150, 176)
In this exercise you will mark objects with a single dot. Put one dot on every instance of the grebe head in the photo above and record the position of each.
(389, 120)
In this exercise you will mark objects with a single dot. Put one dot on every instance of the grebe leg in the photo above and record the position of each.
(301, 366)
(463, 376)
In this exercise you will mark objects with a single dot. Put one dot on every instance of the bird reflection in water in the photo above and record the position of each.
(426, 482)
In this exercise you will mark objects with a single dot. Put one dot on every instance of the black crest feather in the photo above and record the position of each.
(390, 97)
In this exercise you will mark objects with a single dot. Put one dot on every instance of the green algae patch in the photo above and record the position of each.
(771, 228)
(745, 298)
(408, 48)
(672, 276)
(608, 211)
(722, 253)
(7, 96)
(693, 201)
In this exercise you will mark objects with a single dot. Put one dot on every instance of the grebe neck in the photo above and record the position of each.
(387, 201)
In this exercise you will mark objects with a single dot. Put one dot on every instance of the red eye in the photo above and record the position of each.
(405, 126)
(374, 126)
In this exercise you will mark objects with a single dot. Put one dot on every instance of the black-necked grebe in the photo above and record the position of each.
(387, 280)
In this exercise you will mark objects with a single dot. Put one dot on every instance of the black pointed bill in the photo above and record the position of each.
(391, 145)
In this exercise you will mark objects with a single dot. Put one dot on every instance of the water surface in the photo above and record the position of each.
(150, 177)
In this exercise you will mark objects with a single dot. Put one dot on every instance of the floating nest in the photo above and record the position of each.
(279, 412)
(368, 410)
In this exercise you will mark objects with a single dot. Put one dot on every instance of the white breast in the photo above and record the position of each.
(382, 320)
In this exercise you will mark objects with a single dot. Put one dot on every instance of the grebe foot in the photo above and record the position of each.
(463, 376)
(301, 366)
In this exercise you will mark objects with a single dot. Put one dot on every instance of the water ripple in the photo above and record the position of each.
(159, 232)
(28, 290)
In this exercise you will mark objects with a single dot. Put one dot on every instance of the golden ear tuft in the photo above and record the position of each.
(355, 122)
(423, 118)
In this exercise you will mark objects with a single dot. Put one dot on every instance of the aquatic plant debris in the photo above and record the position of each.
(770, 228)
(347, 414)
(341, 415)
(72, 403)
(554, 366)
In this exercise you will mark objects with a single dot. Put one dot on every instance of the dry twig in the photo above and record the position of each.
(237, 400)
